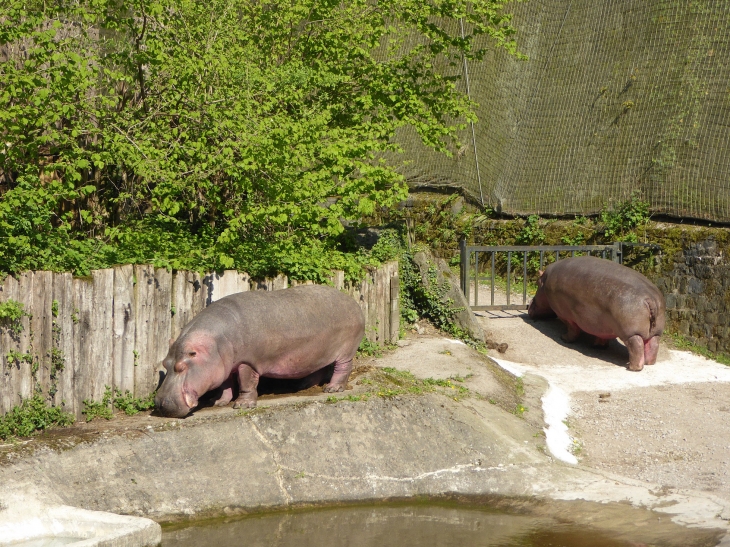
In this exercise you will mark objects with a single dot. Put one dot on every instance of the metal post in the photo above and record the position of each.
(524, 277)
(493, 253)
(464, 265)
(476, 278)
(509, 266)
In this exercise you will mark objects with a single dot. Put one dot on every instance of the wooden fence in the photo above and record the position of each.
(112, 328)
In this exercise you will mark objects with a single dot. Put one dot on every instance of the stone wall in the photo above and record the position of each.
(696, 283)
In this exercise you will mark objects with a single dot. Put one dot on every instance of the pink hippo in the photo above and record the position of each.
(606, 300)
(288, 333)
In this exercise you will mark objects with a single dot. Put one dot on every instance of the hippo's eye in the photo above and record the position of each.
(192, 354)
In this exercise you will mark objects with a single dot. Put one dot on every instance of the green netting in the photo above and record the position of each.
(617, 96)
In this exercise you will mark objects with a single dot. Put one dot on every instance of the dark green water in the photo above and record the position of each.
(585, 525)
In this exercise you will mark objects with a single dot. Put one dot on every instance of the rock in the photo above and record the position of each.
(464, 319)
(501, 348)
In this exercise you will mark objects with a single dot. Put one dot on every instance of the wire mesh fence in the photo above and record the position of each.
(617, 96)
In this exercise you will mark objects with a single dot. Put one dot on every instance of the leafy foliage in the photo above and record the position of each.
(32, 415)
(220, 134)
(99, 409)
(131, 405)
(11, 312)
(127, 403)
(621, 219)
(531, 234)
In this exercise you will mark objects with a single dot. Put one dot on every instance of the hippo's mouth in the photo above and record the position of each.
(190, 398)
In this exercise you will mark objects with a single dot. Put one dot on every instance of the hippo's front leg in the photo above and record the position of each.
(635, 345)
(248, 381)
(339, 376)
(226, 392)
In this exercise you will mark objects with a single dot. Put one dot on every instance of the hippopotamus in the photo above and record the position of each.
(604, 299)
(289, 334)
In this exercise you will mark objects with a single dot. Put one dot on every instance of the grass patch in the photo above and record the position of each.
(520, 410)
(388, 382)
(31, 416)
(680, 342)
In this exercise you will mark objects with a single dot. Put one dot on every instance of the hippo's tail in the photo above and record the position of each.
(653, 313)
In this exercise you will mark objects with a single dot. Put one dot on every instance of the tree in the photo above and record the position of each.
(227, 133)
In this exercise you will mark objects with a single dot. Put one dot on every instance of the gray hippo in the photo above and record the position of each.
(281, 334)
(604, 299)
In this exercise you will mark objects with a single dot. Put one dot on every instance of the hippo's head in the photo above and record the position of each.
(194, 366)
(540, 307)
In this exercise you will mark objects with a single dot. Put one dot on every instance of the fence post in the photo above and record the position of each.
(464, 268)
(618, 252)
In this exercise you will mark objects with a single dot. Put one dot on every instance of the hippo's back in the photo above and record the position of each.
(305, 308)
(604, 296)
(599, 274)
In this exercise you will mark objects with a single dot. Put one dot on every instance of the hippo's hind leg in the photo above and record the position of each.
(248, 381)
(339, 376)
(635, 345)
(651, 349)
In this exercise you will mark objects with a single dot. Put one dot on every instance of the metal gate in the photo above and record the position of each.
(470, 261)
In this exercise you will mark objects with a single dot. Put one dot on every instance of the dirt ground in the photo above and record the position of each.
(668, 424)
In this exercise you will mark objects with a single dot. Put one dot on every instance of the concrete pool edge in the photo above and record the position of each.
(319, 453)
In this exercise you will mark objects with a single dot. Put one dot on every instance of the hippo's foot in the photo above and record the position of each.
(334, 388)
(573, 332)
(226, 395)
(600, 343)
(245, 400)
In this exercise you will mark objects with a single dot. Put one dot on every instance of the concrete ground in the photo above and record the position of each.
(455, 424)
(668, 424)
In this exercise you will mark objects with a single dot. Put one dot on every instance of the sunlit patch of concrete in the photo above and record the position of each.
(26, 522)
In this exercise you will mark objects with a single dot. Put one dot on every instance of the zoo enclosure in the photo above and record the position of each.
(470, 259)
(78, 335)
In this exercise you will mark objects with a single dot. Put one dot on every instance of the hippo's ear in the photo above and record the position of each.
(540, 272)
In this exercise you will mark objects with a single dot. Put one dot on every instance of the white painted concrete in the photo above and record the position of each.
(26, 521)
(591, 375)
